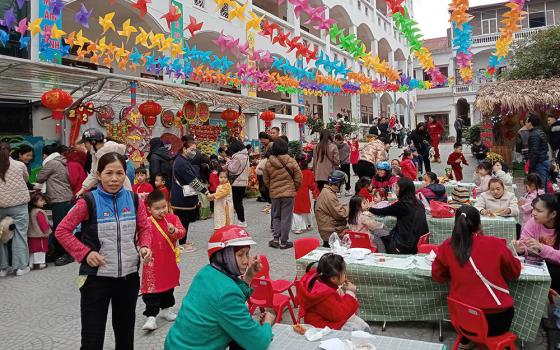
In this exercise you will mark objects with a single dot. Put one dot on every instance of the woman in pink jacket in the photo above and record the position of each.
(372, 153)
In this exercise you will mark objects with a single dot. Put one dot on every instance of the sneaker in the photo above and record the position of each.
(286, 245)
(242, 224)
(150, 324)
(21, 272)
(274, 244)
(64, 260)
(168, 315)
(3, 273)
(42, 266)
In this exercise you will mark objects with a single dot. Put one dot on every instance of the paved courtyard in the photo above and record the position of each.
(41, 309)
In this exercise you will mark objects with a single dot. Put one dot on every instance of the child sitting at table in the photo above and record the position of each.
(539, 236)
(497, 201)
(327, 298)
(500, 171)
(408, 168)
(380, 199)
(363, 188)
(432, 189)
(361, 220)
(482, 177)
(534, 189)
(396, 167)
(467, 251)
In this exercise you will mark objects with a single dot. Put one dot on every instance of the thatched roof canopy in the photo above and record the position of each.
(518, 94)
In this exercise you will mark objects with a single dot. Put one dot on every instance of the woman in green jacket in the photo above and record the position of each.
(214, 314)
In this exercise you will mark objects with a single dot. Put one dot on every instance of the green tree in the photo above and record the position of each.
(537, 57)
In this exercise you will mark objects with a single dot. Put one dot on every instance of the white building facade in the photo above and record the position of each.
(449, 103)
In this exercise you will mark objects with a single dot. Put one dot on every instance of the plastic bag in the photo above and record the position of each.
(441, 210)
(424, 201)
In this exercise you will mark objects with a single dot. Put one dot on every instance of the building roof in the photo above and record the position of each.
(435, 44)
(518, 94)
(495, 4)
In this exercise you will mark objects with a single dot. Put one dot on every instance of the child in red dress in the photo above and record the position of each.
(160, 185)
(408, 168)
(455, 159)
(38, 232)
(161, 275)
(142, 187)
(363, 188)
(301, 219)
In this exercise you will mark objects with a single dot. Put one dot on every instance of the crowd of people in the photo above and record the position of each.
(113, 218)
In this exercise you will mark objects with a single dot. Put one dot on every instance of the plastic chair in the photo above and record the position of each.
(278, 286)
(361, 240)
(470, 322)
(304, 246)
(264, 297)
(424, 246)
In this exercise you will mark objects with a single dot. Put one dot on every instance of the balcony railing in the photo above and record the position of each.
(492, 38)
(466, 89)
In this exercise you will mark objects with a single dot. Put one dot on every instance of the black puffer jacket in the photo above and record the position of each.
(538, 148)
(160, 160)
(417, 137)
(555, 135)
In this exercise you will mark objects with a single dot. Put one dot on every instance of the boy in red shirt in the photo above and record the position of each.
(455, 159)
(161, 275)
(435, 129)
(142, 187)
(160, 185)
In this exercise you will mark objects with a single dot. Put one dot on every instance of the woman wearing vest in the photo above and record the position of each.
(115, 231)
(478, 267)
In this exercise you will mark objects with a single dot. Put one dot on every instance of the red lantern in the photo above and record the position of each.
(300, 119)
(57, 101)
(229, 115)
(267, 117)
(150, 110)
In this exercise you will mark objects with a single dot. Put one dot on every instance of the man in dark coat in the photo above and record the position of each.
(539, 161)
(160, 161)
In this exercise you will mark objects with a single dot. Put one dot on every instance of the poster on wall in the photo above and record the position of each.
(207, 137)
(49, 20)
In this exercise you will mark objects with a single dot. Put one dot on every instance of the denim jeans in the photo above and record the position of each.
(543, 170)
(20, 249)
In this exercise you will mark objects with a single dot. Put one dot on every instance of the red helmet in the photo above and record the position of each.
(228, 236)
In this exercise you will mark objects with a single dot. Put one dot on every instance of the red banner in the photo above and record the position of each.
(205, 132)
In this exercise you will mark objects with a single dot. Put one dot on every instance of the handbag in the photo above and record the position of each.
(174, 248)
(441, 210)
(188, 190)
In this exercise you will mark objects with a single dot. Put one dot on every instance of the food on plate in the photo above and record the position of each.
(299, 329)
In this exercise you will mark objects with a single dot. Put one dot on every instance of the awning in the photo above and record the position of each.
(22, 79)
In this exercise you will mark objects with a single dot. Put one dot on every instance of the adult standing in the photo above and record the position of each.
(264, 139)
(522, 140)
(354, 153)
(13, 203)
(411, 220)
(115, 231)
(344, 154)
(238, 168)
(422, 142)
(24, 153)
(458, 125)
(160, 161)
(435, 129)
(54, 175)
(372, 153)
(384, 130)
(325, 158)
(97, 146)
(554, 136)
(274, 133)
(185, 188)
(398, 128)
(282, 176)
(539, 162)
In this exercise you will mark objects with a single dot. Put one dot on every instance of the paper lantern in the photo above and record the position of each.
(229, 115)
(189, 111)
(300, 119)
(267, 117)
(150, 110)
(57, 101)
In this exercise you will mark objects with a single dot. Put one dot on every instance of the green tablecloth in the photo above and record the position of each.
(286, 339)
(449, 186)
(392, 294)
(441, 229)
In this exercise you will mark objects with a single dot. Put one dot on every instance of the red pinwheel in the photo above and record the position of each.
(172, 16)
(281, 38)
(268, 28)
(395, 6)
(142, 6)
(193, 26)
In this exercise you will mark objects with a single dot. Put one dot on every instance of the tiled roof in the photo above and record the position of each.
(437, 43)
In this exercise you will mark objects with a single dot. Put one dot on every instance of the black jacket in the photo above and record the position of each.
(554, 135)
(479, 151)
(538, 148)
(160, 161)
(417, 137)
(411, 224)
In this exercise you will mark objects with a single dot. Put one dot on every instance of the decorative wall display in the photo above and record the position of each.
(105, 115)
(202, 112)
(168, 118)
(189, 111)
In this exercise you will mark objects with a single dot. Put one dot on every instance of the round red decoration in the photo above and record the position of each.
(167, 118)
(229, 115)
(150, 110)
(267, 117)
(203, 112)
(300, 119)
(57, 101)
(189, 111)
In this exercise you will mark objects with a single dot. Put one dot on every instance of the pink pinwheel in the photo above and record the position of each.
(301, 6)
(231, 43)
(82, 16)
(463, 59)
(316, 14)
(267, 58)
(242, 48)
(47, 33)
(22, 26)
(325, 24)
(221, 41)
(257, 55)
(241, 69)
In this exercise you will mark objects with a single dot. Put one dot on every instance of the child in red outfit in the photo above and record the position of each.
(160, 185)
(75, 163)
(301, 219)
(161, 275)
(363, 188)
(38, 232)
(323, 303)
(408, 168)
(455, 159)
(142, 187)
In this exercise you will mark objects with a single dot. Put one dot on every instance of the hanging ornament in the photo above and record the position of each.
(150, 110)
(167, 118)
(300, 119)
(203, 112)
(105, 115)
(267, 117)
(189, 111)
(229, 115)
(57, 101)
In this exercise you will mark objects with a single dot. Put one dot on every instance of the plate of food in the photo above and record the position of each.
(359, 253)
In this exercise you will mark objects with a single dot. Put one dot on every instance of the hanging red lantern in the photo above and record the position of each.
(267, 117)
(57, 101)
(229, 115)
(150, 110)
(300, 119)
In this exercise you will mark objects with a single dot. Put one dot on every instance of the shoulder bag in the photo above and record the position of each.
(174, 248)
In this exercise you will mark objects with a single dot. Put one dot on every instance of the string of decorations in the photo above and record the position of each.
(462, 38)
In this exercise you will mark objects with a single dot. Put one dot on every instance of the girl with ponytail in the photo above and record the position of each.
(539, 236)
(477, 267)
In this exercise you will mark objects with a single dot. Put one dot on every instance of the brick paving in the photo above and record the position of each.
(41, 309)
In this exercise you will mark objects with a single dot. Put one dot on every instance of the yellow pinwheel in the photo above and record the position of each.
(176, 50)
(254, 22)
(238, 12)
(56, 33)
(141, 38)
(221, 3)
(35, 26)
(81, 39)
(102, 46)
(165, 44)
(106, 22)
(127, 30)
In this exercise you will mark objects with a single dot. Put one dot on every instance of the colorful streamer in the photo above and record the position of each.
(462, 38)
